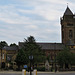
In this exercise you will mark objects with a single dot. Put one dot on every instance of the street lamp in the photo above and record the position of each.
(30, 58)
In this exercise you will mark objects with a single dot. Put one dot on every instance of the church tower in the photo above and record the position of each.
(68, 27)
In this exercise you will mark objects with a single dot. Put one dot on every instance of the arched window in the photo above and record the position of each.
(3, 56)
(70, 33)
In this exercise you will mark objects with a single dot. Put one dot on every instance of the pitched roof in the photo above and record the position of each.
(68, 11)
(46, 46)
(51, 46)
(10, 48)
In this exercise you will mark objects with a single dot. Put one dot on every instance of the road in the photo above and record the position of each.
(38, 73)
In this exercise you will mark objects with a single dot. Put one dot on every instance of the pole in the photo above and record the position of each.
(31, 58)
(30, 68)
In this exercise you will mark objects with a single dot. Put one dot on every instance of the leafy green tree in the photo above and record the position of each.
(65, 57)
(31, 48)
(13, 44)
(21, 58)
(73, 59)
(2, 44)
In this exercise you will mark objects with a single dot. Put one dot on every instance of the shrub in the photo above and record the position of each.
(40, 68)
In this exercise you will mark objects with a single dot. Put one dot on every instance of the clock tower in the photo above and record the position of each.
(68, 27)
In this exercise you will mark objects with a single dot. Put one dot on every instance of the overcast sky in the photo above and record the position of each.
(40, 18)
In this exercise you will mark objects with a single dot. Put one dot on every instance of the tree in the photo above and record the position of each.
(13, 44)
(2, 44)
(73, 59)
(31, 48)
(21, 58)
(65, 57)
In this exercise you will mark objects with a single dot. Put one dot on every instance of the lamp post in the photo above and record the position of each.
(30, 58)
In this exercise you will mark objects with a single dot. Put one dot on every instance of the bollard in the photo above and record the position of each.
(23, 72)
(35, 72)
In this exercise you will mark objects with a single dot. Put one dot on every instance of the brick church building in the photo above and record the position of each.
(67, 33)
(68, 38)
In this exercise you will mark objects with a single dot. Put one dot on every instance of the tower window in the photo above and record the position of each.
(3, 56)
(69, 24)
(70, 33)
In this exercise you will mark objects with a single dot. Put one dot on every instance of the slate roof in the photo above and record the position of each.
(10, 48)
(47, 46)
(52, 46)
(68, 11)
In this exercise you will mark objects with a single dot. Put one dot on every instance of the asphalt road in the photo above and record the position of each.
(39, 73)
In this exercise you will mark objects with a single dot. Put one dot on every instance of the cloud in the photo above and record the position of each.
(12, 17)
(39, 18)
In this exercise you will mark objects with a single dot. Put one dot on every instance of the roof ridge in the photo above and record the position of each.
(68, 11)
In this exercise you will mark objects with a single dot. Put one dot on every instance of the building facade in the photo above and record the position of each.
(7, 55)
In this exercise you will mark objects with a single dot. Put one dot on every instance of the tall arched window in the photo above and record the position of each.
(70, 33)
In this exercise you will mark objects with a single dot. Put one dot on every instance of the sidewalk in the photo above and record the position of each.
(11, 71)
